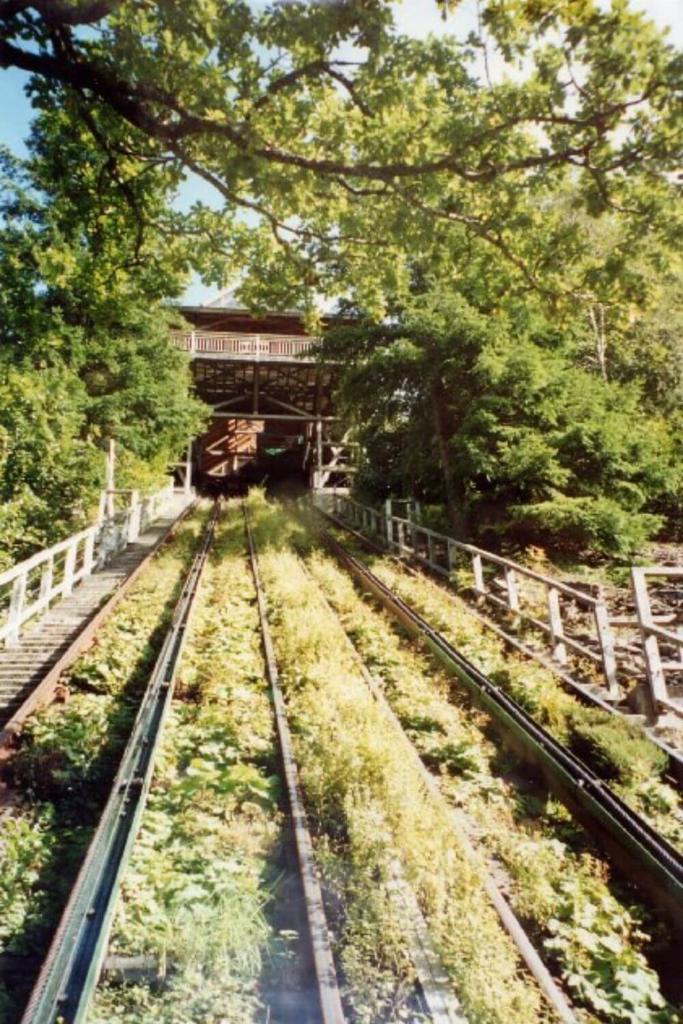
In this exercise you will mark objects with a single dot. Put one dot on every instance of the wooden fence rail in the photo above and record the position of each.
(270, 346)
(569, 618)
(29, 587)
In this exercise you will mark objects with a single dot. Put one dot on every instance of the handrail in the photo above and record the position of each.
(30, 586)
(276, 346)
(490, 556)
(439, 552)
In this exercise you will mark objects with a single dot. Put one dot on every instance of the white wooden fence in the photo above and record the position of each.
(571, 620)
(29, 587)
(256, 346)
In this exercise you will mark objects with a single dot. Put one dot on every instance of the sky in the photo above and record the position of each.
(417, 18)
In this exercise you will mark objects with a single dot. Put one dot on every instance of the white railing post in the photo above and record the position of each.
(556, 627)
(193, 342)
(88, 553)
(134, 518)
(69, 568)
(16, 608)
(46, 580)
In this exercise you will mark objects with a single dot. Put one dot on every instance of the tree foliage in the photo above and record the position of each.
(84, 347)
(503, 206)
(495, 418)
(349, 144)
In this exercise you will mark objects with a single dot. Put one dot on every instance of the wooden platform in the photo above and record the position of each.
(48, 640)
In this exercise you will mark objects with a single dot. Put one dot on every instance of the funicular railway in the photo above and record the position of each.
(273, 413)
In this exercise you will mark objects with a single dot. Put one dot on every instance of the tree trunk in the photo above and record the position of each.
(443, 428)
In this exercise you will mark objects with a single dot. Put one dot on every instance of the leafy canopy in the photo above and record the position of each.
(348, 144)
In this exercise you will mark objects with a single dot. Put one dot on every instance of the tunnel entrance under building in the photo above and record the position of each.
(273, 411)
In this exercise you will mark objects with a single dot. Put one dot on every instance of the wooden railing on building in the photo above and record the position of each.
(257, 346)
(30, 587)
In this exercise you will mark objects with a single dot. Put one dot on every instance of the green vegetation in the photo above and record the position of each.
(497, 202)
(205, 870)
(618, 749)
(594, 938)
(84, 348)
(496, 415)
(69, 753)
(370, 808)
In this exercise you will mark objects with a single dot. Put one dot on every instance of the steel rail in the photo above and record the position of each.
(323, 961)
(648, 859)
(460, 825)
(71, 969)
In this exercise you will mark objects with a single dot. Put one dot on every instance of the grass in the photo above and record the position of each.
(67, 756)
(620, 751)
(593, 937)
(204, 870)
(370, 808)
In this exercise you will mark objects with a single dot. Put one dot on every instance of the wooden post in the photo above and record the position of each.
(556, 627)
(16, 608)
(318, 475)
(478, 572)
(47, 577)
(88, 554)
(69, 569)
(606, 641)
(450, 548)
(512, 589)
(388, 526)
(187, 485)
(653, 660)
(193, 342)
(134, 519)
(111, 463)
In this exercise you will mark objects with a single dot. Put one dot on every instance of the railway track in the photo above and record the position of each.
(437, 999)
(529, 954)
(72, 967)
(645, 857)
(71, 970)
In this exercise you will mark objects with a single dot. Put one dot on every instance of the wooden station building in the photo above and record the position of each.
(273, 405)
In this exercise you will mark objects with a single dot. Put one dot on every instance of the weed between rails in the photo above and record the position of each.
(369, 807)
(67, 758)
(592, 936)
(614, 747)
(206, 866)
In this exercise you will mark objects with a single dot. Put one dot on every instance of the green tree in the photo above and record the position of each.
(493, 418)
(84, 348)
(350, 145)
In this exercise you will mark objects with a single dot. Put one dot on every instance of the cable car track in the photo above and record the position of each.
(508, 918)
(644, 856)
(331, 1010)
(72, 966)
